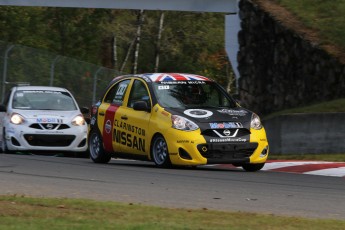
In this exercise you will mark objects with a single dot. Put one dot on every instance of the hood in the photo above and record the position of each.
(51, 116)
(216, 117)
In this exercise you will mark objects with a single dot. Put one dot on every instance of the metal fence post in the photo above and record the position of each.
(95, 85)
(4, 75)
(52, 68)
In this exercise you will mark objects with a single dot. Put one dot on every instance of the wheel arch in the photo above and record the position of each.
(149, 155)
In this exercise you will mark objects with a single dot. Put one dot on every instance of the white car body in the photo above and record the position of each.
(40, 124)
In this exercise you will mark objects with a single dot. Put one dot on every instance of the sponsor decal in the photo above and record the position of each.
(182, 141)
(49, 120)
(107, 126)
(198, 113)
(226, 125)
(108, 136)
(182, 83)
(49, 132)
(161, 87)
(239, 139)
(41, 91)
(129, 135)
(129, 140)
(174, 83)
(233, 112)
(128, 127)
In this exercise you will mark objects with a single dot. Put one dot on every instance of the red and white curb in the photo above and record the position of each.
(322, 168)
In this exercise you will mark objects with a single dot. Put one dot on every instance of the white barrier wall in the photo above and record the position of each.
(306, 133)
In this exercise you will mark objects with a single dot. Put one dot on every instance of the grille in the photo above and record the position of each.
(220, 151)
(49, 140)
(49, 126)
(211, 133)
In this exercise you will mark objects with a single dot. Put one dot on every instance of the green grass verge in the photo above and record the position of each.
(335, 106)
(326, 16)
(47, 213)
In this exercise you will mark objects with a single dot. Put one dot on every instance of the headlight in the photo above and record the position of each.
(17, 119)
(255, 122)
(78, 120)
(182, 123)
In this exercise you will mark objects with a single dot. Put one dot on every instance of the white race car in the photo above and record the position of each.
(42, 118)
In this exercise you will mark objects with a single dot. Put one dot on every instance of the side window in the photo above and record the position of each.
(138, 93)
(117, 93)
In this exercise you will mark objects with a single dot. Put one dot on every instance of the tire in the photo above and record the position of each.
(253, 167)
(160, 153)
(96, 149)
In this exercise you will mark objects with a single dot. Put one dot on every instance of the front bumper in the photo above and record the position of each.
(191, 148)
(23, 138)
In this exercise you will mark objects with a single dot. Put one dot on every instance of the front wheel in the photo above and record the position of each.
(97, 152)
(253, 167)
(160, 153)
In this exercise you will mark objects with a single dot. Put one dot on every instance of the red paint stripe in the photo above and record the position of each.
(108, 128)
(308, 167)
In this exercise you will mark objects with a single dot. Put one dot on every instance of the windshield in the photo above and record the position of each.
(43, 100)
(191, 94)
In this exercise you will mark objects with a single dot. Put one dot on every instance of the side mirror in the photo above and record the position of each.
(3, 108)
(141, 106)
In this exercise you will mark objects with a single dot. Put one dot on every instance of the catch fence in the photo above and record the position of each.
(21, 64)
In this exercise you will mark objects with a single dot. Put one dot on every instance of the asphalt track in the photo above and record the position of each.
(216, 187)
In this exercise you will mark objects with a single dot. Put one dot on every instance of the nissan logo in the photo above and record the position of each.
(227, 132)
(49, 126)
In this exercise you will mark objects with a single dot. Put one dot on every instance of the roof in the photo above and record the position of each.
(53, 88)
(157, 77)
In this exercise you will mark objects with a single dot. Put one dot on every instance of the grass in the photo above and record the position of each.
(334, 106)
(327, 17)
(18, 212)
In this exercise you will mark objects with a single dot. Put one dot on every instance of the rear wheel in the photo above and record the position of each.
(253, 167)
(97, 152)
(159, 152)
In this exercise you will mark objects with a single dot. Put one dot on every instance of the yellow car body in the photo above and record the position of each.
(134, 120)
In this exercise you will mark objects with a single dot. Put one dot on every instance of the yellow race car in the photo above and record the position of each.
(175, 119)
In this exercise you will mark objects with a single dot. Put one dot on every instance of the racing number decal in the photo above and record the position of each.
(108, 126)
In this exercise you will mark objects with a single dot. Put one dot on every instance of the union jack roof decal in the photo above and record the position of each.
(155, 77)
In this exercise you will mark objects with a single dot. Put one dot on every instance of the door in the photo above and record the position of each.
(133, 124)
(107, 113)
